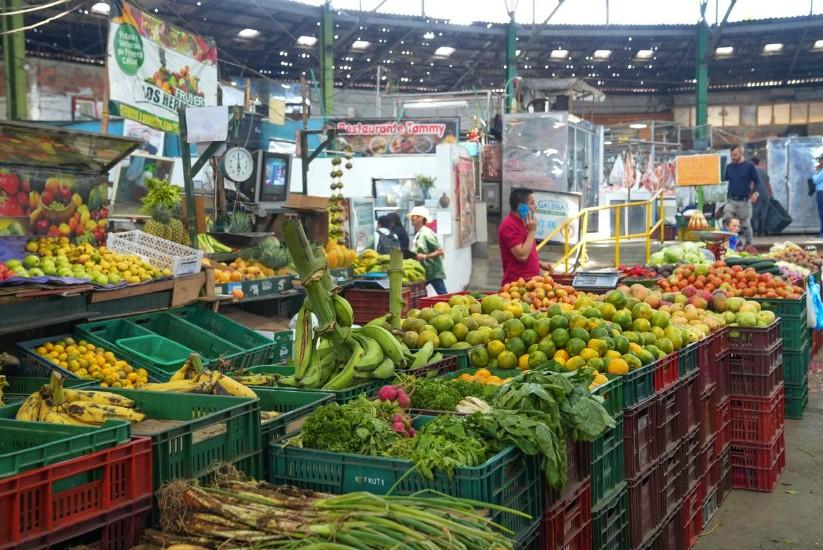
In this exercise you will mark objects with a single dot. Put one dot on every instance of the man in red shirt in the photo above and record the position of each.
(516, 237)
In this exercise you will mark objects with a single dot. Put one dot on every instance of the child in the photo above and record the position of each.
(732, 225)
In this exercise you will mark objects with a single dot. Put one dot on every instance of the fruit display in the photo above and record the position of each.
(732, 281)
(485, 377)
(372, 262)
(162, 199)
(57, 405)
(210, 245)
(14, 195)
(59, 210)
(57, 257)
(540, 292)
(339, 256)
(697, 222)
(90, 362)
(244, 269)
(638, 272)
(687, 252)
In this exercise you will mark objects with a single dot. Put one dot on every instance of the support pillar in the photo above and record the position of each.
(511, 65)
(327, 59)
(14, 61)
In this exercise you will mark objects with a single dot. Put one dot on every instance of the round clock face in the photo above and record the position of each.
(238, 164)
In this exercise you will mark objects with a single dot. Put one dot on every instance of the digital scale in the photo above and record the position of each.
(372, 281)
(596, 281)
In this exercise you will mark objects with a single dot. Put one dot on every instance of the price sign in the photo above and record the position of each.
(552, 209)
(691, 170)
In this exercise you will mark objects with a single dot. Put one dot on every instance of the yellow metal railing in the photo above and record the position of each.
(584, 240)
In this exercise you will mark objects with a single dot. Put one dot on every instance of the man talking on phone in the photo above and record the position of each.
(516, 237)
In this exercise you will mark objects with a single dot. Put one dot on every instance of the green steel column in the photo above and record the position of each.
(701, 88)
(327, 59)
(14, 60)
(511, 64)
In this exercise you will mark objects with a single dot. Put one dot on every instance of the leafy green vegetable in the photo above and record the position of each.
(443, 395)
(360, 426)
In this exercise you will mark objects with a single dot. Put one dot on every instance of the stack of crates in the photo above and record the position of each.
(757, 454)
(797, 351)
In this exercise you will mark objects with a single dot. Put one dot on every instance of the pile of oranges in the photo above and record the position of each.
(484, 376)
(90, 362)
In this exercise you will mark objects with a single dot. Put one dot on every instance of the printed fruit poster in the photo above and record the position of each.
(156, 68)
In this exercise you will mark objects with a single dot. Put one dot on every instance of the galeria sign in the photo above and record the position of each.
(155, 68)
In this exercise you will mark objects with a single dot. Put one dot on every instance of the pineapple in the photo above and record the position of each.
(178, 233)
(158, 225)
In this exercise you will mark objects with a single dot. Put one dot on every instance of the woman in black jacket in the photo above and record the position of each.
(396, 227)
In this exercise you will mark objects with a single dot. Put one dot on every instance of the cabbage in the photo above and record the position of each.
(673, 254)
(658, 258)
(693, 258)
(690, 246)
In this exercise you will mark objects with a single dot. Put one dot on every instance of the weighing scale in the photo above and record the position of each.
(596, 281)
(372, 281)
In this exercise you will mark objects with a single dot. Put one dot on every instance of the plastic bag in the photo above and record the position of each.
(814, 305)
(616, 175)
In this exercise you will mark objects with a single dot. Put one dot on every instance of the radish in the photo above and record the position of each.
(398, 427)
(387, 393)
(403, 399)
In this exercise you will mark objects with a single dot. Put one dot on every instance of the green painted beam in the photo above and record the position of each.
(14, 61)
(511, 65)
(702, 77)
(327, 60)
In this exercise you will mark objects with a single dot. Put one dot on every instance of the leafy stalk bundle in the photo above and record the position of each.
(241, 514)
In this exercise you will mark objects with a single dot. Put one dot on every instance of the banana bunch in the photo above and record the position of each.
(372, 262)
(192, 377)
(57, 405)
(210, 245)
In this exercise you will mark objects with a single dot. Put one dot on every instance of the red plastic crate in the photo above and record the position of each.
(639, 435)
(712, 478)
(645, 514)
(723, 423)
(417, 291)
(725, 485)
(756, 373)
(691, 517)
(754, 338)
(707, 406)
(40, 502)
(669, 425)
(757, 419)
(723, 382)
(578, 469)
(758, 467)
(666, 373)
(369, 304)
(690, 451)
(672, 471)
(568, 524)
(688, 399)
(708, 351)
(668, 536)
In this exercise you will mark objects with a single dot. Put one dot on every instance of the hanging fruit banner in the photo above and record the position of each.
(155, 68)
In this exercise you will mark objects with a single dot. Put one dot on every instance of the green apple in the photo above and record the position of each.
(31, 260)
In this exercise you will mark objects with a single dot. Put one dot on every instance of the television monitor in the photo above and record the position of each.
(273, 172)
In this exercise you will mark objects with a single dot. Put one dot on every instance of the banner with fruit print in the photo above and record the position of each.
(155, 68)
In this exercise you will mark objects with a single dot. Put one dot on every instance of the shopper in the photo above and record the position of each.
(427, 247)
(817, 178)
(741, 192)
(386, 240)
(397, 229)
(764, 194)
(517, 238)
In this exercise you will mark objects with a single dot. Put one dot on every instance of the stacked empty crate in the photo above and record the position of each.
(757, 454)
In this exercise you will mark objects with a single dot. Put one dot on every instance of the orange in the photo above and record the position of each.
(482, 373)
(523, 362)
(561, 354)
(494, 380)
(237, 294)
(236, 276)
(466, 377)
(618, 366)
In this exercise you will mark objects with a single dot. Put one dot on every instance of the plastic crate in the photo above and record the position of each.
(607, 463)
(707, 364)
(429, 301)
(725, 486)
(666, 372)
(283, 344)
(33, 365)
(691, 517)
(669, 533)
(610, 522)
(531, 539)
(341, 396)
(669, 424)
(40, 502)
(568, 524)
(417, 291)
(780, 307)
(758, 467)
(638, 385)
(672, 480)
(507, 479)
(612, 394)
(19, 388)
(369, 304)
(688, 399)
(107, 333)
(639, 438)
(754, 338)
(706, 408)
(797, 397)
(644, 507)
(723, 377)
(189, 432)
(28, 445)
(796, 365)
(711, 479)
(756, 372)
(757, 419)
(723, 425)
(690, 451)
(578, 469)
(687, 359)
(710, 506)
(160, 352)
(256, 348)
(159, 252)
(795, 332)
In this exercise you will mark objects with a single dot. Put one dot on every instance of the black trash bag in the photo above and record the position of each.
(775, 218)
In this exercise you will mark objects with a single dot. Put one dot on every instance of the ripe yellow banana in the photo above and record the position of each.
(45, 408)
(56, 417)
(228, 386)
(180, 386)
(30, 409)
(181, 374)
(94, 413)
(207, 381)
(101, 397)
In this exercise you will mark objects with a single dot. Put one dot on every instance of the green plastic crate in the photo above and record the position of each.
(107, 333)
(612, 394)
(462, 356)
(531, 539)
(164, 354)
(610, 522)
(607, 463)
(795, 332)
(294, 406)
(28, 445)
(341, 396)
(256, 348)
(797, 397)
(638, 385)
(687, 360)
(211, 347)
(508, 479)
(33, 365)
(796, 365)
(21, 387)
(783, 308)
(191, 432)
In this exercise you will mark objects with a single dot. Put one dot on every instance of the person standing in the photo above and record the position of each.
(516, 236)
(764, 194)
(741, 194)
(397, 229)
(427, 247)
(386, 240)
(817, 179)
